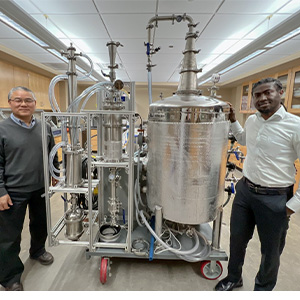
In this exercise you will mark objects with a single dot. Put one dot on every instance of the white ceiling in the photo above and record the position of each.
(90, 24)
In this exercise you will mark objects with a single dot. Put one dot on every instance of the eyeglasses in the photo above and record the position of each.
(19, 100)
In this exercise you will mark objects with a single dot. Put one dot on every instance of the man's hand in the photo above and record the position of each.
(5, 201)
(231, 115)
(289, 212)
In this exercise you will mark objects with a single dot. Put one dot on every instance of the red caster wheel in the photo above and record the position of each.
(104, 270)
(209, 271)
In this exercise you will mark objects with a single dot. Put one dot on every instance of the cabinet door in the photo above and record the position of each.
(245, 98)
(6, 83)
(284, 79)
(294, 93)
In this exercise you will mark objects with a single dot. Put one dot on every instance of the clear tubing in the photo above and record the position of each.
(138, 181)
(136, 206)
(86, 92)
(150, 87)
(89, 96)
(205, 252)
(51, 158)
(185, 255)
(52, 99)
(167, 246)
(92, 67)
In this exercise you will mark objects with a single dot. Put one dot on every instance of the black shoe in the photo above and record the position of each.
(16, 286)
(45, 259)
(226, 285)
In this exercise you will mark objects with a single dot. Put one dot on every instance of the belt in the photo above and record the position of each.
(258, 189)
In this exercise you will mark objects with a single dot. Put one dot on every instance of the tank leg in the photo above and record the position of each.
(217, 225)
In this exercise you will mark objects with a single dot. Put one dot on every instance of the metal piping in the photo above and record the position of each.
(149, 44)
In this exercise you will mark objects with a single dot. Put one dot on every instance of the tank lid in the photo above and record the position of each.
(189, 101)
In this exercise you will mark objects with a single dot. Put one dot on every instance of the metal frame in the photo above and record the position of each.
(89, 184)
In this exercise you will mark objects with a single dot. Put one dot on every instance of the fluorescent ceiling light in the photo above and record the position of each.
(241, 61)
(22, 30)
(284, 38)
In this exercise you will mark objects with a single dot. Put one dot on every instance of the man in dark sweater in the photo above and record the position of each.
(21, 184)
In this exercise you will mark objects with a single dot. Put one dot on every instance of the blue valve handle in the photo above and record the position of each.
(236, 155)
(232, 188)
(62, 197)
(148, 49)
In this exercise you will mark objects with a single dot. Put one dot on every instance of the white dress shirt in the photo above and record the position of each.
(272, 147)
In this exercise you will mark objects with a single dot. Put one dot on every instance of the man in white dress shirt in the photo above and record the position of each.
(264, 196)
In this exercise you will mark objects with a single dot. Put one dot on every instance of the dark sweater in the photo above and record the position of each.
(21, 157)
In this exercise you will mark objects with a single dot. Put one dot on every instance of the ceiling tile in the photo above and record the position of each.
(267, 24)
(132, 46)
(126, 7)
(27, 6)
(170, 45)
(231, 26)
(90, 26)
(129, 25)
(180, 6)
(291, 7)
(47, 23)
(66, 7)
(251, 7)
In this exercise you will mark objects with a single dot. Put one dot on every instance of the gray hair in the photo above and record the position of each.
(22, 88)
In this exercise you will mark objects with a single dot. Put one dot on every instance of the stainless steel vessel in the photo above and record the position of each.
(187, 142)
(74, 222)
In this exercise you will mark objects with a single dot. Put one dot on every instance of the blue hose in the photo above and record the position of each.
(151, 250)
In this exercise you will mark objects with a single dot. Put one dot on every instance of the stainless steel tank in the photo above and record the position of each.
(187, 147)
(74, 222)
(187, 142)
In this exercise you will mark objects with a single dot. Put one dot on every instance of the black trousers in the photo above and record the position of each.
(268, 213)
(11, 225)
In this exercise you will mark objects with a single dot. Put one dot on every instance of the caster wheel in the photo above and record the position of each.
(206, 271)
(103, 270)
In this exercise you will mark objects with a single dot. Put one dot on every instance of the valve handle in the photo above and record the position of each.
(236, 155)
(232, 188)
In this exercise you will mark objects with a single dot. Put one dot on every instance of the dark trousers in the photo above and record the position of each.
(268, 213)
(11, 225)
